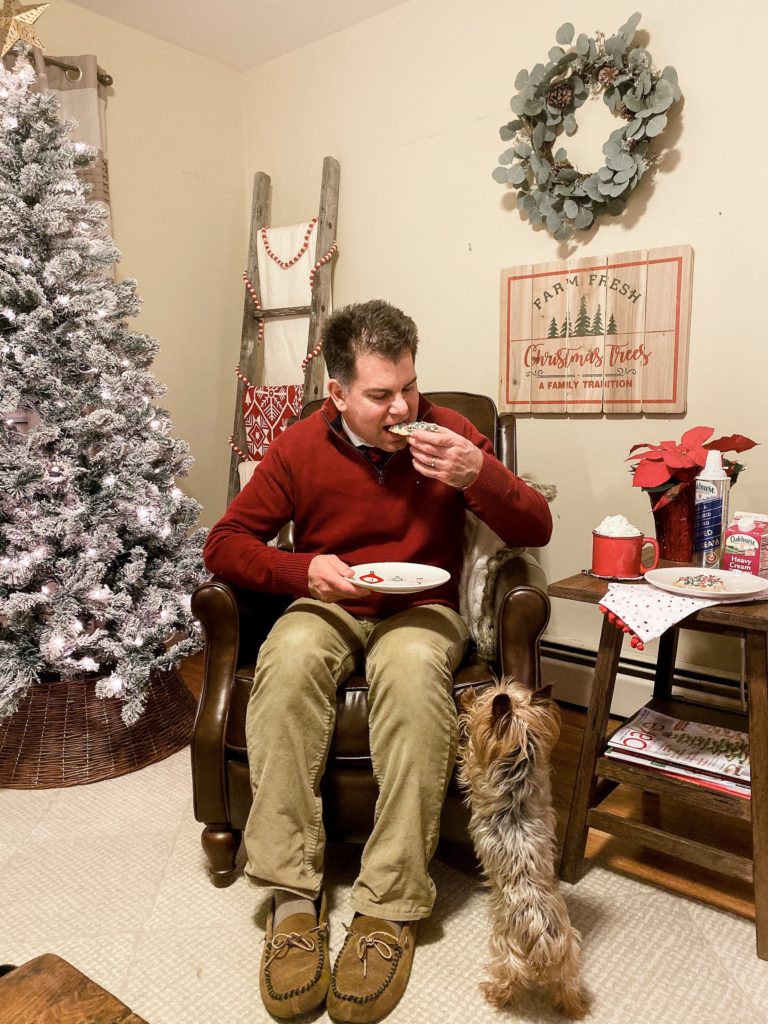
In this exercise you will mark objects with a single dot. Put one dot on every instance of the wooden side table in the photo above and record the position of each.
(597, 775)
(48, 990)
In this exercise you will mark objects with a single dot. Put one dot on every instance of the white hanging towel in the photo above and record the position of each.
(285, 341)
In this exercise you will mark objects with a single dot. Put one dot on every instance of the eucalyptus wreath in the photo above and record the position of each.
(551, 190)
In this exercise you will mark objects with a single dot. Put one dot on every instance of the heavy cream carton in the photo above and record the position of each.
(745, 546)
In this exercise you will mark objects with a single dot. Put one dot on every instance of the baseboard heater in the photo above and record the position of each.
(569, 667)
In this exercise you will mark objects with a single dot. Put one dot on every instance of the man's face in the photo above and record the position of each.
(381, 394)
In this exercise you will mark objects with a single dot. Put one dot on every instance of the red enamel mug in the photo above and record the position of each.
(621, 557)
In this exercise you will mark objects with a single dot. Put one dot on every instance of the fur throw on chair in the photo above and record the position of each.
(484, 555)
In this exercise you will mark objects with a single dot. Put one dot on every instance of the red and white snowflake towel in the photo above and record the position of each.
(266, 411)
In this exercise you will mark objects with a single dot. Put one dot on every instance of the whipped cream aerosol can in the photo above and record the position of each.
(710, 512)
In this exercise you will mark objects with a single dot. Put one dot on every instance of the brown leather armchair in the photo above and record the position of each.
(236, 622)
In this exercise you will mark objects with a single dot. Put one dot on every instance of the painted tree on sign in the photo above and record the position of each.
(612, 326)
(597, 321)
(583, 323)
(553, 331)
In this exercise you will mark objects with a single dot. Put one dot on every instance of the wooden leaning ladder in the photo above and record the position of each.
(251, 354)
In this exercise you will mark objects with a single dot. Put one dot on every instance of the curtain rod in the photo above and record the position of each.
(103, 77)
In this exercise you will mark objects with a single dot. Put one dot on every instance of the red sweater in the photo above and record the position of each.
(343, 505)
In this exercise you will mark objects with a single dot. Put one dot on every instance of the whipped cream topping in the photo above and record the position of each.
(617, 526)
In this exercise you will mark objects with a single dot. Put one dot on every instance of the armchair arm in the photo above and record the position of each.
(522, 614)
(214, 603)
(235, 623)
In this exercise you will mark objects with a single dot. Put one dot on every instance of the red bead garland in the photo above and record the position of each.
(257, 304)
(311, 355)
(233, 446)
(323, 260)
(285, 264)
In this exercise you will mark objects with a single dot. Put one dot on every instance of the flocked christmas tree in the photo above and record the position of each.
(98, 551)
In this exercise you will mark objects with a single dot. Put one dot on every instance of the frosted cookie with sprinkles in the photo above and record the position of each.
(406, 429)
(701, 581)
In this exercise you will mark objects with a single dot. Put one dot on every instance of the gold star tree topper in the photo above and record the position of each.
(17, 22)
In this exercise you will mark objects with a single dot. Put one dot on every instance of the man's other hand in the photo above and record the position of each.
(446, 456)
(329, 579)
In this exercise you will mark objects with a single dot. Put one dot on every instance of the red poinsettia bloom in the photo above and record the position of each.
(669, 463)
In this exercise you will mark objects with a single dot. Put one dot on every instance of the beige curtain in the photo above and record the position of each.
(82, 98)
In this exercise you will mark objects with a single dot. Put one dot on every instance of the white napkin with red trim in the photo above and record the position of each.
(648, 611)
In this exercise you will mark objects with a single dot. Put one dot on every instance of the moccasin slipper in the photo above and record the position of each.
(371, 971)
(295, 965)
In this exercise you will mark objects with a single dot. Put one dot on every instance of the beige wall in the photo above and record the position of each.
(410, 103)
(175, 128)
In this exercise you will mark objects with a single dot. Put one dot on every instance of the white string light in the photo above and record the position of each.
(112, 686)
(57, 644)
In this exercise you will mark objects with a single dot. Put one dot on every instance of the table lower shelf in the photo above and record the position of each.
(612, 772)
(675, 788)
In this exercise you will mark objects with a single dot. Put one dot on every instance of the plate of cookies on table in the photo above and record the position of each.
(716, 584)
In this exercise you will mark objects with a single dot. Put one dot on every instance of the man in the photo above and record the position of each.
(358, 493)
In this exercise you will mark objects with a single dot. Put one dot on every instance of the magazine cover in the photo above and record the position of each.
(708, 750)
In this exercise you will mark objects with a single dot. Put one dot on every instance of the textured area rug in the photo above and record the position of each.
(111, 877)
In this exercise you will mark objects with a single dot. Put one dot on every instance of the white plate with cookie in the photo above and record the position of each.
(716, 584)
(398, 577)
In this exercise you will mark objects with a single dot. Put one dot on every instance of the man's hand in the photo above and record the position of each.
(446, 456)
(329, 579)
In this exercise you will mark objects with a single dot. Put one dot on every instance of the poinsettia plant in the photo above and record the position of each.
(669, 466)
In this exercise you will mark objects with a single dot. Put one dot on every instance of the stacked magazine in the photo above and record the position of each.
(707, 755)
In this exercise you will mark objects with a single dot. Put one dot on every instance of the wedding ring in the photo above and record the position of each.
(432, 463)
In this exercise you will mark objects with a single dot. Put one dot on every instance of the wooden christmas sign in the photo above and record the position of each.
(597, 334)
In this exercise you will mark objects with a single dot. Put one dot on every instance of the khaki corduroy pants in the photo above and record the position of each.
(409, 662)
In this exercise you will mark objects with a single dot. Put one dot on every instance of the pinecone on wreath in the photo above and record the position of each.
(625, 112)
(562, 165)
(560, 96)
(607, 76)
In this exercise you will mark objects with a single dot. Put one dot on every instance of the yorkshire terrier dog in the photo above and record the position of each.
(508, 733)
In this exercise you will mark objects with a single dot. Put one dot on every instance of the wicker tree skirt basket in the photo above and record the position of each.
(62, 734)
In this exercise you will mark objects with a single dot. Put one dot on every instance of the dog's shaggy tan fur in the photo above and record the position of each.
(508, 733)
